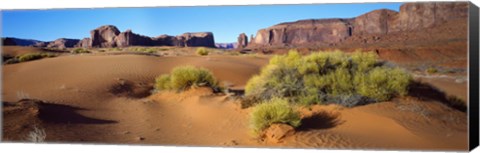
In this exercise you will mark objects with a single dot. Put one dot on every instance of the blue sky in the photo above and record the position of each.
(226, 22)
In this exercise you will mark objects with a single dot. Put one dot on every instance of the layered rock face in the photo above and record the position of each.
(375, 22)
(304, 32)
(242, 41)
(412, 16)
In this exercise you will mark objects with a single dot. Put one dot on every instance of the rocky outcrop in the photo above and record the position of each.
(164, 40)
(198, 39)
(84, 43)
(128, 38)
(242, 41)
(104, 36)
(303, 32)
(110, 36)
(321, 32)
(63, 43)
(375, 22)
(414, 16)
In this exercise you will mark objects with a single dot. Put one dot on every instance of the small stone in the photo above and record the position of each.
(140, 138)
(276, 132)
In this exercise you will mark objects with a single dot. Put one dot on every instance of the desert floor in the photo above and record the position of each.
(106, 99)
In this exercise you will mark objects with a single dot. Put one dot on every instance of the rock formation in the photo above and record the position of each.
(242, 41)
(104, 36)
(110, 36)
(412, 16)
(198, 39)
(63, 43)
(128, 38)
(84, 43)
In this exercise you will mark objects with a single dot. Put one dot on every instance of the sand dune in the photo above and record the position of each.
(109, 102)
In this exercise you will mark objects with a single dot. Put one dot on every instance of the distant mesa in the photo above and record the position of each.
(110, 36)
(303, 33)
(321, 32)
(9, 41)
(226, 45)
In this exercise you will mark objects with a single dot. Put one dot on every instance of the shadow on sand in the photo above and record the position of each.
(320, 120)
(56, 113)
(427, 92)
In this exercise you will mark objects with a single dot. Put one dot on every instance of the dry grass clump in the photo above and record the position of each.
(37, 135)
(431, 70)
(276, 110)
(29, 57)
(80, 51)
(333, 77)
(149, 50)
(185, 77)
(202, 51)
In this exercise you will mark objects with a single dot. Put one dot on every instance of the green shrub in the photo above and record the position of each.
(383, 83)
(335, 77)
(202, 51)
(33, 56)
(184, 77)
(273, 111)
(163, 82)
(80, 51)
(150, 50)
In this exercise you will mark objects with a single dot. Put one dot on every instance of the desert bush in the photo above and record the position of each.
(80, 51)
(320, 77)
(431, 70)
(383, 83)
(11, 61)
(163, 82)
(37, 135)
(202, 51)
(273, 111)
(184, 77)
(33, 56)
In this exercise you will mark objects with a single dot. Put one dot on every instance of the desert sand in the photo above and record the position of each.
(99, 98)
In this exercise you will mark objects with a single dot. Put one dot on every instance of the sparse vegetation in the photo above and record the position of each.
(80, 51)
(273, 111)
(37, 135)
(29, 57)
(184, 77)
(149, 50)
(431, 70)
(202, 51)
(333, 77)
(22, 95)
